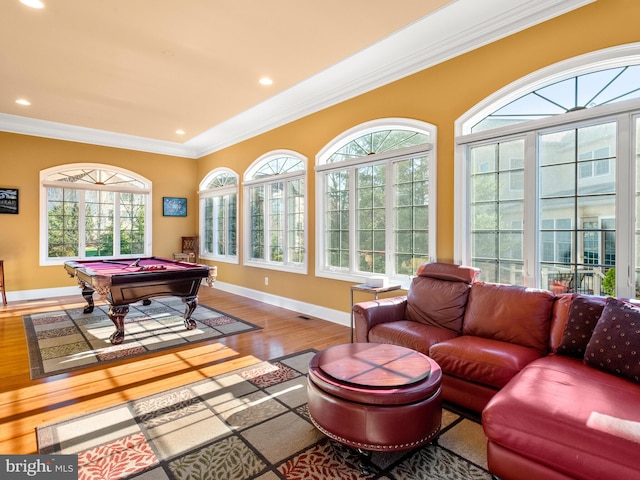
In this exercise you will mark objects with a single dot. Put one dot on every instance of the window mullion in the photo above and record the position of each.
(285, 222)
(116, 224)
(353, 222)
(266, 240)
(225, 235)
(390, 233)
(82, 223)
(322, 244)
(625, 208)
(530, 220)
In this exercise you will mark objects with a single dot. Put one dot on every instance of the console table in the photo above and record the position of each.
(4, 293)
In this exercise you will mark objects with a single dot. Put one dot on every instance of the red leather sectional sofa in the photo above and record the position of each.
(555, 377)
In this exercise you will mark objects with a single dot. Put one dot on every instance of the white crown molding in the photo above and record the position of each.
(457, 28)
(72, 133)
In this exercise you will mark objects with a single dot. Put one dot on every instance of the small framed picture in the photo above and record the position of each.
(9, 200)
(174, 207)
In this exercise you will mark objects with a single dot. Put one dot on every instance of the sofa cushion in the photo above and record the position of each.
(615, 344)
(413, 335)
(482, 360)
(509, 313)
(439, 303)
(583, 315)
(553, 412)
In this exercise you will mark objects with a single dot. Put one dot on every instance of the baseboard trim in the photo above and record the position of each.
(308, 309)
(43, 293)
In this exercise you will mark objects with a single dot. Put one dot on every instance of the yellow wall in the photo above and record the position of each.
(21, 160)
(438, 95)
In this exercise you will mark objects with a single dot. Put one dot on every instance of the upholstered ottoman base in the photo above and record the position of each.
(375, 396)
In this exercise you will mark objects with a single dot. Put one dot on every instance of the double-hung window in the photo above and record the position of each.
(218, 194)
(275, 209)
(90, 210)
(375, 201)
(573, 142)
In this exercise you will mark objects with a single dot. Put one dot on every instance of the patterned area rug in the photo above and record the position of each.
(249, 424)
(64, 340)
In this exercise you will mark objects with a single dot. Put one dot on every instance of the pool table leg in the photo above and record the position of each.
(117, 314)
(192, 303)
(87, 293)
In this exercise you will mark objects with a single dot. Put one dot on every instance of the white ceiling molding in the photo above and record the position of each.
(460, 27)
(72, 133)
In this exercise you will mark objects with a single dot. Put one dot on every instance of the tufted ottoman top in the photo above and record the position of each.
(375, 373)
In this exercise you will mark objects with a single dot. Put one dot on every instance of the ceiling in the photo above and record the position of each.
(130, 73)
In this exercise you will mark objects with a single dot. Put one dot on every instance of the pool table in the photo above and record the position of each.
(124, 281)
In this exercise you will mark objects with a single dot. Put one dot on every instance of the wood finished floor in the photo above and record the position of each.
(26, 403)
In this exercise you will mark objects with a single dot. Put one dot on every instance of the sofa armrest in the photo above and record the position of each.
(366, 315)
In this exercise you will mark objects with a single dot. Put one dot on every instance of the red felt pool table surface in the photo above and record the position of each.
(124, 281)
(160, 276)
(124, 266)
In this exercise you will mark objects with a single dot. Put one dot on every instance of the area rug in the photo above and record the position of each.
(65, 340)
(253, 424)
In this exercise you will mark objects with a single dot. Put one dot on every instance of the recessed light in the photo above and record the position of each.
(180, 132)
(266, 81)
(22, 101)
(32, 3)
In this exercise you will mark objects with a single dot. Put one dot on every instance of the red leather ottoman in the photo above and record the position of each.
(374, 396)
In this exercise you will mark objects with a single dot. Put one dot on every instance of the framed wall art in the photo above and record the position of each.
(9, 200)
(174, 207)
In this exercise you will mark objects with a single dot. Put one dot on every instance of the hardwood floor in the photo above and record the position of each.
(26, 403)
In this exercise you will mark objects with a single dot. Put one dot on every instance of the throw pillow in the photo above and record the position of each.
(437, 302)
(584, 312)
(615, 344)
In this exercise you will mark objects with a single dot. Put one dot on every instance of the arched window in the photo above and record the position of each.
(91, 210)
(275, 212)
(376, 201)
(218, 215)
(545, 169)
(588, 90)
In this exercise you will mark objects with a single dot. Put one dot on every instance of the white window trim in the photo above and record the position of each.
(246, 234)
(623, 113)
(322, 166)
(204, 193)
(44, 232)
